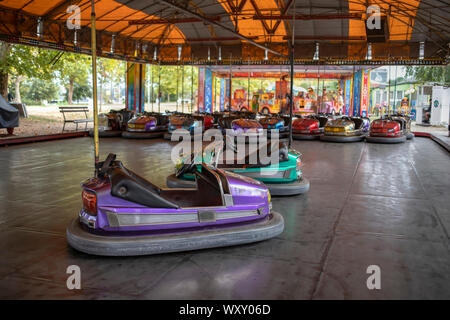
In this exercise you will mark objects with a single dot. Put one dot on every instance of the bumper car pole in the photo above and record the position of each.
(94, 85)
(291, 105)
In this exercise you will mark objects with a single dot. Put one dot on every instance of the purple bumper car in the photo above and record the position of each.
(123, 214)
(246, 127)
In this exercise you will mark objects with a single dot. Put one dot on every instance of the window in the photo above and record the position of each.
(385, 96)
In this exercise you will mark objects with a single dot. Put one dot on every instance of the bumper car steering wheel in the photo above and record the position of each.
(186, 167)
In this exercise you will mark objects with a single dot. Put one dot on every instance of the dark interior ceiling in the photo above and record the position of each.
(237, 31)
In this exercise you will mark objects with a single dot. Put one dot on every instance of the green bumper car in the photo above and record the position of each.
(282, 178)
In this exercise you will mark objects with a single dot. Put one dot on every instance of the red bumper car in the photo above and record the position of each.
(308, 128)
(386, 131)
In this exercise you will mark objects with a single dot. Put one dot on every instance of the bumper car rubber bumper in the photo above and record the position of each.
(301, 136)
(281, 134)
(256, 139)
(409, 136)
(86, 242)
(330, 138)
(106, 133)
(142, 135)
(168, 136)
(289, 189)
(386, 139)
(276, 189)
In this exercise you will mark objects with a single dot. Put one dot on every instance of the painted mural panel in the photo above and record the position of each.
(365, 87)
(131, 86)
(357, 85)
(348, 95)
(208, 91)
(222, 93)
(201, 90)
(135, 91)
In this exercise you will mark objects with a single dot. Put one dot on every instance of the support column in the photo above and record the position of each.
(348, 95)
(205, 90)
(151, 82)
(201, 90)
(223, 94)
(135, 87)
(182, 88)
(361, 91)
(159, 87)
(192, 88)
(176, 108)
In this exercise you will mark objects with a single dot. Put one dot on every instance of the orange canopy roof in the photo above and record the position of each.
(242, 28)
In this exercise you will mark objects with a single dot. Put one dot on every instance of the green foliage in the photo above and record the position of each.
(439, 75)
(168, 81)
(34, 91)
(74, 68)
(81, 92)
(110, 70)
(26, 61)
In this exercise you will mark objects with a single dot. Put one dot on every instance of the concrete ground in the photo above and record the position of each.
(369, 204)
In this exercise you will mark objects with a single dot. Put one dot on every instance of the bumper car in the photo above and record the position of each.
(281, 124)
(144, 126)
(162, 120)
(189, 123)
(246, 114)
(390, 129)
(248, 130)
(240, 124)
(216, 116)
(309, 128)
(346, 129)
(282, 179)
(113, 123)
(124, 214)
(207, 121)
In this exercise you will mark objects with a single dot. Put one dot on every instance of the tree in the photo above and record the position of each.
(169, 81)
(111, 71)
(80, 92)
(73, 68)
(4, 52)
(440, 75)
(21, 62)
(36, 90)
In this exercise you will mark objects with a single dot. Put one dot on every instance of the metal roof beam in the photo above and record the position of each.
(329, 38)
(346, 16)
(60, 8)
(217, 39)
(217, 24)
(171, 21)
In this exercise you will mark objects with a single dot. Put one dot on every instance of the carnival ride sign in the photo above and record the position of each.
(364, 93)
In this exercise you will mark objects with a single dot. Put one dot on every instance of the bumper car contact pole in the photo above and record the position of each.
(231, 89)
(291, 105)
(94, 85)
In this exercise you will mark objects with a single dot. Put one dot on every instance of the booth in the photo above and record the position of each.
(433, 105)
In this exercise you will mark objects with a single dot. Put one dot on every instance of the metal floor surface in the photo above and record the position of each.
(369, 204)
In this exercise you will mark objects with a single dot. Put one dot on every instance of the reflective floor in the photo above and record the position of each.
(369, 204)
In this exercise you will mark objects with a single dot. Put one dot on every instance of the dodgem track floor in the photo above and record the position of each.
(369, 204)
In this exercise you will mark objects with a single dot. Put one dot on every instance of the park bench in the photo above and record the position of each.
(83, 109)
